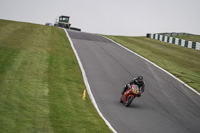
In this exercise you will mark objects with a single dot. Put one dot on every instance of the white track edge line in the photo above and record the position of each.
(155, 65)
(87, 84)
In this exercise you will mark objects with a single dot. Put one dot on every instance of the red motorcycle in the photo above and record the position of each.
(129, 95)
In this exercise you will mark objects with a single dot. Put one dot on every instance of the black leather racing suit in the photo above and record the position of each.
(135, 81)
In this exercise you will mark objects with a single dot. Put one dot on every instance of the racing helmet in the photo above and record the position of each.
(140, 79)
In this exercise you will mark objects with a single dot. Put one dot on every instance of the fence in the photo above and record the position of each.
(174, 34)
(177, 41)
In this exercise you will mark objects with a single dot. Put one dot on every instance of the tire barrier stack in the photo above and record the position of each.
(73, 28)
(177, 41)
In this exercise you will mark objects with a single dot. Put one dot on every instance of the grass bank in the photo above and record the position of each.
(182, 62)
(194, 38)
(41, 84)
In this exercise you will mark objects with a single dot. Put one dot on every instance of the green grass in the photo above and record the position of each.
(194, 38)
(41, 84)
(182, 62)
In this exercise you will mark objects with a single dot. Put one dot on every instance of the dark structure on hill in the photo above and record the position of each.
(63, 21)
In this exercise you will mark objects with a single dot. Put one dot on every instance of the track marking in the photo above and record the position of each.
(155, 65)
(87, 83)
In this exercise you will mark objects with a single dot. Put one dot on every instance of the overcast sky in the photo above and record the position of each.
(112, 17)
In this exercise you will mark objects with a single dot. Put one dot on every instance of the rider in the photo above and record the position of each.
(137, 81)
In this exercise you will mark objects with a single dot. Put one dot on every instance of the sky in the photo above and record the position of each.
(110, 17)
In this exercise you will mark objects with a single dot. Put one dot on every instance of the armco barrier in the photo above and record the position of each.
(177, 41)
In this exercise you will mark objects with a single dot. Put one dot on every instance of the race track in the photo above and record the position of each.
(166, 106)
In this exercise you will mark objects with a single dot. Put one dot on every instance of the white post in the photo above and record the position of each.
(176, 41)
(160, 39)
(165, 39)
(170, 39)
(189, 44)
(183, 43)
(198, 45)
(151, 35)
(156, 37)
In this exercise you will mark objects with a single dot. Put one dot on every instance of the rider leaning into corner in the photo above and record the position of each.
(137, 81)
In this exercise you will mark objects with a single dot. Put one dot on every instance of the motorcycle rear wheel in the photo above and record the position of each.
(121, 100)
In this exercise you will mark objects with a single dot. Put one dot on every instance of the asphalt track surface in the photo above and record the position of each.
(166, 106)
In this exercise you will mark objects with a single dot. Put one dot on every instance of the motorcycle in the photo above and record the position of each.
(129, 95)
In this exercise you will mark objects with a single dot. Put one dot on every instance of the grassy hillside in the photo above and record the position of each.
(41, 84)
(194, 38)
(182, 62)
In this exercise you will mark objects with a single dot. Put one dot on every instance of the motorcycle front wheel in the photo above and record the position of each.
(129, 101)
